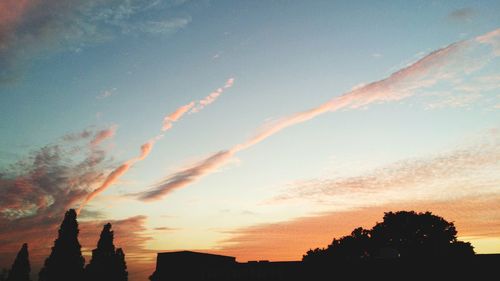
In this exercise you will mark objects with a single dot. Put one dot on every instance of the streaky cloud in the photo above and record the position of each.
(188, 176)
(194, 107)
(401, 84)
(121, 170)
(117, 173)
(31, 28)
(176, 115)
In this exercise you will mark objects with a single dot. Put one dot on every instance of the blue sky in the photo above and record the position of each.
(123, 66)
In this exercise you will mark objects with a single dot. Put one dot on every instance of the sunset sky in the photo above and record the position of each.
(257, 129)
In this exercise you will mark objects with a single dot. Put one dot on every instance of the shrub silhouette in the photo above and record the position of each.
(106, 263)
(65, 261)
(401, 234)
(20, 270)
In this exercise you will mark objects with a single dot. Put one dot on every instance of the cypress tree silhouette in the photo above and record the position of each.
(20, 270)
(65, 261)
(106, 263)
(121, 266)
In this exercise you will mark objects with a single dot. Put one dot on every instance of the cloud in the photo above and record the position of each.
(117, 173)
(37, 190)
(462, 15)
(444, 64)
(212, 96)
(30, 28)
(164, 228)
(464, 171)
(474, 216)
(176, 115)
(194, 107)
(121, 170)
(129, 234)
(106, 94)
(77, 136)
(162, 26)
(491, 38)
(103, 135)
(187, 176)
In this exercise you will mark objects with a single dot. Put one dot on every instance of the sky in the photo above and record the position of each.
(257, 129)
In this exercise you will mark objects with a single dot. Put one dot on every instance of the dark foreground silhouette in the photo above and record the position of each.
(404, 246)
(66, 262)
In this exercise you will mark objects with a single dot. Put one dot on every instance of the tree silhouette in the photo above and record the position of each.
(121, 266)
(106, 263)
(20, 270)
(415, 235)
(65, 261)
(405, 234)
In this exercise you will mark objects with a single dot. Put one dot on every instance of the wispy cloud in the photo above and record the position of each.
(37, 190)
(194, 107)
(463, 171)
(462, 15)
(117, 173)
(103, 135)
(28, 28)
(187, 176)
(444, 64)
(493, 39)
(106, 94)
(121, 170)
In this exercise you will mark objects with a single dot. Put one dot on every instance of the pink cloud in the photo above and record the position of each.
(176, 115)
(401, 84)
(103, 135)
(194, 107)
(187, 176)
(229, 83)
(491, 38)
(117, 173)
(212, 96)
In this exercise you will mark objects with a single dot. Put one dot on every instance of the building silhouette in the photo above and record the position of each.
(196, 266)
(188, 265)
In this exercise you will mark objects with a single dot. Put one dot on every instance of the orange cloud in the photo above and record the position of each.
(118, 173)
(401, 84)
(477, 216)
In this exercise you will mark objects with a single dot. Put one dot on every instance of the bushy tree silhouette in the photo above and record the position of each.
(65, 261)
(20, 270)
(405, 234)
(106, 263)
(415, 235)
